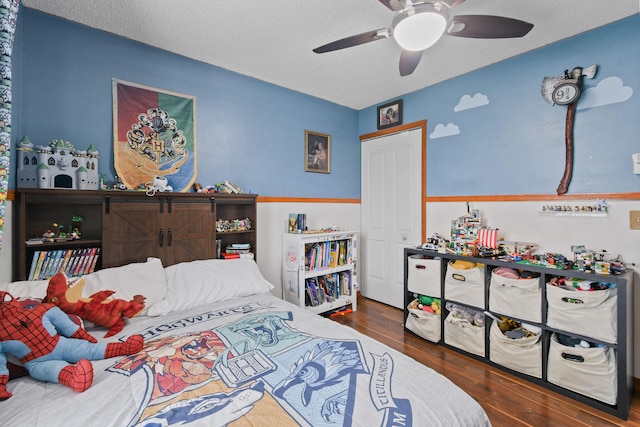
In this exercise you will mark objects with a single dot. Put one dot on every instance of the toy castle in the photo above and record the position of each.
(57, 165)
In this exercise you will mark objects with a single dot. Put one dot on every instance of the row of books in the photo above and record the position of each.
(74, 262)
(328, 288)
(328, 254)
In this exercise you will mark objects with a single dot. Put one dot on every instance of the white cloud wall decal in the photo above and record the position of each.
(442, 130)
(467, 102)
(608, 91)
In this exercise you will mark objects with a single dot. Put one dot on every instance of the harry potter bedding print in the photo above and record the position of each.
(254, 361)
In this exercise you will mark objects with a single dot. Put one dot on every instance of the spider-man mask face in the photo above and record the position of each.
(9, 306)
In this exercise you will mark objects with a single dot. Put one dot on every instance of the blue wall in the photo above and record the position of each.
(252, 132)
(515, 144)
(248, 131)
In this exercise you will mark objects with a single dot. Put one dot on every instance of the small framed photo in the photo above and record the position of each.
(317, 152)
(390, 114)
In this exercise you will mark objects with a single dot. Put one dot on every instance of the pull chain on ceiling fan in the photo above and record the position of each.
(418, 26)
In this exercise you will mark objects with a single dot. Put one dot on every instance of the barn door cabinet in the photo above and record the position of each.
(599, 375)
(170, 227)
(129, 226)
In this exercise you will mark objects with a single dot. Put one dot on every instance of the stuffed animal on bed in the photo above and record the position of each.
(51, 346)
(98, 308)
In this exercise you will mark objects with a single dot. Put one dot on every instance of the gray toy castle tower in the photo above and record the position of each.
(57, 165)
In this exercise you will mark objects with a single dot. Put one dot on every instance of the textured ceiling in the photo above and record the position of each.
(272, 40)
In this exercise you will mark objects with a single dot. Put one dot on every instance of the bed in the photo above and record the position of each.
(220, 350)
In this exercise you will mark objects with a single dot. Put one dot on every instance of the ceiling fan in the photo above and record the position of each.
(418, 25)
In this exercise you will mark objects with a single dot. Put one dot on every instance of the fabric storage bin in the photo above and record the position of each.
(425, 324)
(519, 298)
(465, 285)
(588, 371)
(522, 355)
(589, 313)
(423, 276)
(462, 334)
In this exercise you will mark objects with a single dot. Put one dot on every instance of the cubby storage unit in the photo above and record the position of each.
(600, 375)
(318, 270)
(129, 226)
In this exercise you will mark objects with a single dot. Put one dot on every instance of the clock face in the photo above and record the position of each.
(565, 93)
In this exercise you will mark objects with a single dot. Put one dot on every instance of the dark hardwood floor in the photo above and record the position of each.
(507, 399)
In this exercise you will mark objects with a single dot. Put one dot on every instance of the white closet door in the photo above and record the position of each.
(391, 206)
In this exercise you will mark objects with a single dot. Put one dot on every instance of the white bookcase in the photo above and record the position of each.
(319, 270)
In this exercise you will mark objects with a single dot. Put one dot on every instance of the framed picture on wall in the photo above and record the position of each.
(317, 152)
(390, 114)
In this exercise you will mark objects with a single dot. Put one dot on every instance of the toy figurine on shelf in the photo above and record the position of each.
(49, 236)
(58, 228)
(76, 221)
(118, 184)
(75, 234)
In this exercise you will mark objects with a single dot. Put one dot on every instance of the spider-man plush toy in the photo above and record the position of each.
(51, 346)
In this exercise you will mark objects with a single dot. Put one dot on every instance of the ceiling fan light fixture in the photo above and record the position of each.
(419, 27)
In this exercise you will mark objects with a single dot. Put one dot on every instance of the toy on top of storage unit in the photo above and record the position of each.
(487, 243)
(436, 243)
(469, 236)
(588, 260)
(518, 251)
(464, 232)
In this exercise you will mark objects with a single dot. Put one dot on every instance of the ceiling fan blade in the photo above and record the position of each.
(453, 3)
(356, 40)
(409, 60)
(394, 4)
(488, 27)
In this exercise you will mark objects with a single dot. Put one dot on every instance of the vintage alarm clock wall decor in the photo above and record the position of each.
(565, 90)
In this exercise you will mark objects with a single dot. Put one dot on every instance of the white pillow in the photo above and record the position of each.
(204, 282)
(27, 288)
(143, 278)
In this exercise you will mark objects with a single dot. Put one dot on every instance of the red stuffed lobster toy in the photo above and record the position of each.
(51, 346)
(98, 308)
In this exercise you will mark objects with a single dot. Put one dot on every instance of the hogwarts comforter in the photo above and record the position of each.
(255, 361)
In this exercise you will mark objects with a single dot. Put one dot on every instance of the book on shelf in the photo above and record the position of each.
(308, 296)
(333, 254)
(73, 262)
(34, 262)
(311, 285)
(94, 261)
(65, 260)
(342, 250)
(45, 265)
(82, 262)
